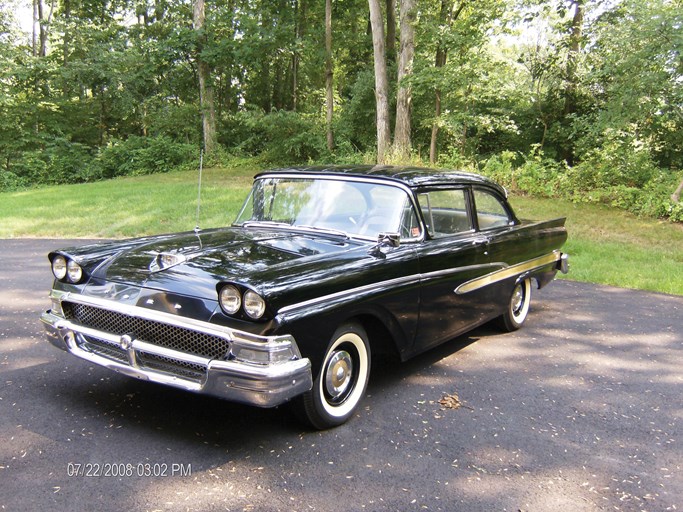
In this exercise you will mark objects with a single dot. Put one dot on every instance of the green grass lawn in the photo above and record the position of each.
(605, 245)
(610, 246)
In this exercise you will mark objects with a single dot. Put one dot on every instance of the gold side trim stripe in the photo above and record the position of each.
(507, 272)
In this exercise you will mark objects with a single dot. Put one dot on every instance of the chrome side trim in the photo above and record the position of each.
(509, 271)
(503, 271)
(382, 285)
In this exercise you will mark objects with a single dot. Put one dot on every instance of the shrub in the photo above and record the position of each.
(140, 155)
(10, 182)
(634, 184)
(280, 137)
(67, 161)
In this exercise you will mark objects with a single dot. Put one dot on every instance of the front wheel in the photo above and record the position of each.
(517, 308)
(342, 379)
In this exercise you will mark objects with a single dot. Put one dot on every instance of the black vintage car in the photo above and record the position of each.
(322, 267)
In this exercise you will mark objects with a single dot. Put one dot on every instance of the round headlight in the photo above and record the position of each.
(74, 271)
(254, 305)
(59, 267)
(230, 299)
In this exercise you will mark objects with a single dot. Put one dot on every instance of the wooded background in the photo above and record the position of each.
(572, 98)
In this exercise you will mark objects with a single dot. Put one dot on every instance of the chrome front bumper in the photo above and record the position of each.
(258, 370)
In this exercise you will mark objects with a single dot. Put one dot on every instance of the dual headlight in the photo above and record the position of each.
(65, 269)
(232, 300)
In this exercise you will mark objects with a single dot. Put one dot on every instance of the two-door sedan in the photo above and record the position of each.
(322, 267)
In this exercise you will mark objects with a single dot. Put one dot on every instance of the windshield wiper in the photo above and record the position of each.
(300, 227)
(330, 231)
(265, 223)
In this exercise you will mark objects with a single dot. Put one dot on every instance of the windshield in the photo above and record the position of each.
(353, 208)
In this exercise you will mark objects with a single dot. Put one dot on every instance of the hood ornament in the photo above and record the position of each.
(165, 260)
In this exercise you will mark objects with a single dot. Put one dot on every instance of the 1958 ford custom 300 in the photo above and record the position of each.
(322, 267)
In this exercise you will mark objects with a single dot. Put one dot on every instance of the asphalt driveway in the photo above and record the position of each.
(581, 410)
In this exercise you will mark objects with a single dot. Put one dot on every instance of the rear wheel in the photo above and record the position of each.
(342, 379)
(518, 307)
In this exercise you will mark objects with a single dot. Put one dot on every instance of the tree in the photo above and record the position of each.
(575, 37)
(206, 100)
(448, 14)
(402, 142)
(329, 74)
(381, 81)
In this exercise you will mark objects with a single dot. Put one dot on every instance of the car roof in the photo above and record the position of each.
(413, 177)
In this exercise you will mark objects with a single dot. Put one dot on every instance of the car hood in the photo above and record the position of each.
(193, 264)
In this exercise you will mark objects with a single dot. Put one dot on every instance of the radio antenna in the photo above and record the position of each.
(199, 188)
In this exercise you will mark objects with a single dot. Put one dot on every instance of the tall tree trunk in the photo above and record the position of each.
(570, 94)
(391, 31)
(329, 75)
(402, 144)
(381, 81)
(67, 31)
(435, 128)
(299, 17)
(36, 25)
(44, 26)
(446, 17)
(572, 58)
(206, 100)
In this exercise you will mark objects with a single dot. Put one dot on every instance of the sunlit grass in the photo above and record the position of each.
(605, 245)
(126, 207)
(610, 246)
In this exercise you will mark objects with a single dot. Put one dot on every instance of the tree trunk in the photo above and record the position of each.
(300, 16)
(446, 17)
(572, 58)
(435, 128)
(381, 81)
(676, 196)
(206, 100)
(391, 31)
(570, 94)
(402, 144)
(36, 24)
(67, 31)
(44, 26)
(329, 75)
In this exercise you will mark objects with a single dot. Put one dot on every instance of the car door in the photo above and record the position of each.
(495, 222)
(452, 254)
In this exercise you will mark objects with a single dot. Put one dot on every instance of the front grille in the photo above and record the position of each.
(174, 366)
(104, 348)
(156, 333)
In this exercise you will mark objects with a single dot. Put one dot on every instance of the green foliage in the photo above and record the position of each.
(117, 92)
(280, 137)
(637, 186)
(140, 155)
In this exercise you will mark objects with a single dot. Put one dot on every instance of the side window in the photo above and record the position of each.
(445, 212)
(491, 212)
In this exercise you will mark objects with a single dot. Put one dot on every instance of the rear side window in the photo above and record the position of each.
(491, 212)
(445, 212)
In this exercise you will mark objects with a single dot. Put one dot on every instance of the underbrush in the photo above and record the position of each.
(626, 181)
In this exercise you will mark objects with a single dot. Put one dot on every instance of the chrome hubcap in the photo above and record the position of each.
(517, 299)
(338, 376)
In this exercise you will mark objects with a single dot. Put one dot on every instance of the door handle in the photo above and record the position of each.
(482, 241)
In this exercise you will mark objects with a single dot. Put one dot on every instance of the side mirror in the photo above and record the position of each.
(385, 240)
(389, 240)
